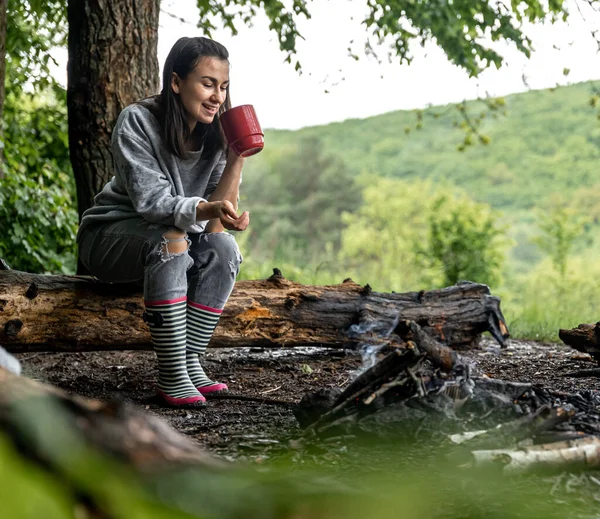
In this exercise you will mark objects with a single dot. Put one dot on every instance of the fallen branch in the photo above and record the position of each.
(577, 454)
(440, 355)
(583, 373)
(543, 419)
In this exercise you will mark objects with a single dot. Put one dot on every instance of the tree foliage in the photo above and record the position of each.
(34, 28)
(38, 219)
(381, 238)
(283, 21)
(465, 241)
(559, 227)
(417, 233)
(37, 203)
(466, 30)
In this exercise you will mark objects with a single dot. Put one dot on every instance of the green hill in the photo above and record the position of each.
(543, 144)
(548, 142)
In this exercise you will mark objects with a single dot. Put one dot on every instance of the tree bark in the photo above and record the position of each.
(77, 313)
(112, 63)
(584, 338)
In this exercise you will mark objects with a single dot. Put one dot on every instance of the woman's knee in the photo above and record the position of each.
(225, 248)
(171, 251)
(174, 242)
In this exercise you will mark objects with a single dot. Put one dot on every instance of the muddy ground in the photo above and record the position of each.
(272, 381)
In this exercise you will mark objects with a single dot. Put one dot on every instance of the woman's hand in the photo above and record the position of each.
(225, 212)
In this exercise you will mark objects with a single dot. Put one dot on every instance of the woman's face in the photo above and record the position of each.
(204, 90)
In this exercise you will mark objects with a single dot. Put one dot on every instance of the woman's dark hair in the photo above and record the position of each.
(168, 108)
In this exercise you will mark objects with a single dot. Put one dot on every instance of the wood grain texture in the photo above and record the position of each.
(78, 313)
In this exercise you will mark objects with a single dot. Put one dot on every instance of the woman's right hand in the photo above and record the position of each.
(225, 212)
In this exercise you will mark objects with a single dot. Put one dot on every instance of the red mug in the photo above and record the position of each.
(242, 130)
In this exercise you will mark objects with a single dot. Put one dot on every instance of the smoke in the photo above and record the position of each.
(371, 339)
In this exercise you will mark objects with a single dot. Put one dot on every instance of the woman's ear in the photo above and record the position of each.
(175, 82)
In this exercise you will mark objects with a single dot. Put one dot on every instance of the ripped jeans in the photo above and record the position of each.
(135, 251)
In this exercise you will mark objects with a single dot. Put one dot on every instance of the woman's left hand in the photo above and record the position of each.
(228, 216)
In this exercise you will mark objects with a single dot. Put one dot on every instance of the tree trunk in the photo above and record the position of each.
(112, 63)
(76, 313)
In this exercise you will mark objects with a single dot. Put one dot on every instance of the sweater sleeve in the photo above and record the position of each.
(216, 174)
(147, 185)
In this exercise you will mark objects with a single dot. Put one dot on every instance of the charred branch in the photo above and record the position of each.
(584, 338)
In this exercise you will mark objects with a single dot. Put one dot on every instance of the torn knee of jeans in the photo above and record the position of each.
(173, 244)
(205, 236)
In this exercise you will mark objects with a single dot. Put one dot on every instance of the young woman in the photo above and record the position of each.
(160, 219)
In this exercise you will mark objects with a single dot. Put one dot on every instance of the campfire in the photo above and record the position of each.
(420, 386)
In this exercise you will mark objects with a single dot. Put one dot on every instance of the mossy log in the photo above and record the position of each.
(79, 313)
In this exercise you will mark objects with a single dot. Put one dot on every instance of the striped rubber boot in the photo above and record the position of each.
(167, 323)
(201, 323)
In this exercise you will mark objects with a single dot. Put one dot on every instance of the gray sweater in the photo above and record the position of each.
(150, 181)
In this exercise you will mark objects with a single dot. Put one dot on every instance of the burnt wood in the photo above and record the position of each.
(584, 338)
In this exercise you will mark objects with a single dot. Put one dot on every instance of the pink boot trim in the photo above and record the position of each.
(181, 401)
(213, 388)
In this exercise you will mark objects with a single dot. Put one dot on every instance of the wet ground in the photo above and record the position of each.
(264, 384)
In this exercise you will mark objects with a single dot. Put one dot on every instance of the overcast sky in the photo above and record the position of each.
(283, 99)
(334, 87)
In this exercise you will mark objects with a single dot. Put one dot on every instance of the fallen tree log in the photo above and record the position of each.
(124, 432)
(584, 338)
(78, 313)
